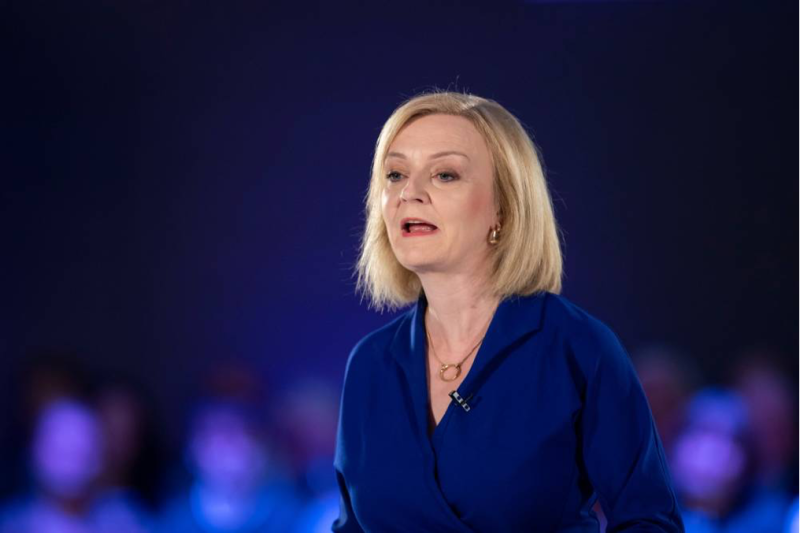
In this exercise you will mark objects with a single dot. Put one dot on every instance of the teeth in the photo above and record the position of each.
(414, 221)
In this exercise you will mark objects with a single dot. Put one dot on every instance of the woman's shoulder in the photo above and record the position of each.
(377, 342)
(596, 355)
(574, 320)
(589, 338)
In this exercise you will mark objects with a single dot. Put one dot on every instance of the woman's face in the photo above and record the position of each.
(438, 172)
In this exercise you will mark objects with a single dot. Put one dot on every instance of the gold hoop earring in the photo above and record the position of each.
(494, 235)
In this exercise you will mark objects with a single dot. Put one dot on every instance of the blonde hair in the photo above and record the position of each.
(528, 257)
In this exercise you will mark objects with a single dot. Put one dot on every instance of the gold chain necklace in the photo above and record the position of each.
(447, 366)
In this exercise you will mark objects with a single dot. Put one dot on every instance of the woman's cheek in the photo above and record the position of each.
(385, 203)
(387, 210)
(480, 209)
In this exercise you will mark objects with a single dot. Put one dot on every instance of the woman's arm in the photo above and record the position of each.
(350, 408)
(622, 451)
(346, 523)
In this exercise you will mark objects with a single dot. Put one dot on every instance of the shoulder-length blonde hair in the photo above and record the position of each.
(528, 257)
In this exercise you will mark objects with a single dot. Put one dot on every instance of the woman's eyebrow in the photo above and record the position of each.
(437, 155)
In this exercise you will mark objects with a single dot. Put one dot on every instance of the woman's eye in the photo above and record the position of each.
(446, 176)
(394, 176)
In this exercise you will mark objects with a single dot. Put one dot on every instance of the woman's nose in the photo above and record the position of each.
(414, 191)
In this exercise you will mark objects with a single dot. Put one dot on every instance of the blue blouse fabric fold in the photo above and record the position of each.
(557, 419)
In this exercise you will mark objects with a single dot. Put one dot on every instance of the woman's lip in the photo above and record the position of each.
(405, 228)
(418, 233)
(409, 219)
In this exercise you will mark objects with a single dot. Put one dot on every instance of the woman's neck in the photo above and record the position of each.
(459, 307)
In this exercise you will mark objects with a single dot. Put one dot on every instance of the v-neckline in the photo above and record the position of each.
(432, 424)
(507, 325)
(434, 429)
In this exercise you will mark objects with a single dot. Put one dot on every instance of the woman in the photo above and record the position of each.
(493, 404)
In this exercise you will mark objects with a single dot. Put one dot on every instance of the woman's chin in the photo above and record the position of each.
(419, 264)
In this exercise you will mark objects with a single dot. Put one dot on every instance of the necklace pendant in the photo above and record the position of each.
(444, 368)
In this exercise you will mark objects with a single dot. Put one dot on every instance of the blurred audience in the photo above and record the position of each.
(771, 401)
(306, 416)
(668, 378)
(125, 467)
(714, 468)
(65, 463)
(253, 465)
(233, 488)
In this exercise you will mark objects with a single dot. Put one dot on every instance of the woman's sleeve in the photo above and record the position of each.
(345, 446)
(346, 522)
(622, 451)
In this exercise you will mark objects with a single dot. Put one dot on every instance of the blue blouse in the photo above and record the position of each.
(555, 418)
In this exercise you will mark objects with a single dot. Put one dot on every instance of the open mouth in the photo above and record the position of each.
(415, 226)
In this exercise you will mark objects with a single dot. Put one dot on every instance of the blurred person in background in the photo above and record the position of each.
(771, 400)
(127, 472)
(713, 464)
(43, 376)
(669, 378)
(306, 416)
(48, 375)
(232, 489)
(65, 461)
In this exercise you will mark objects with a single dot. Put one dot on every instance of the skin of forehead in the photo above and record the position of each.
(437, 133)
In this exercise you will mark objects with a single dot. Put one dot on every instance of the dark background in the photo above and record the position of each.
(182, 182)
